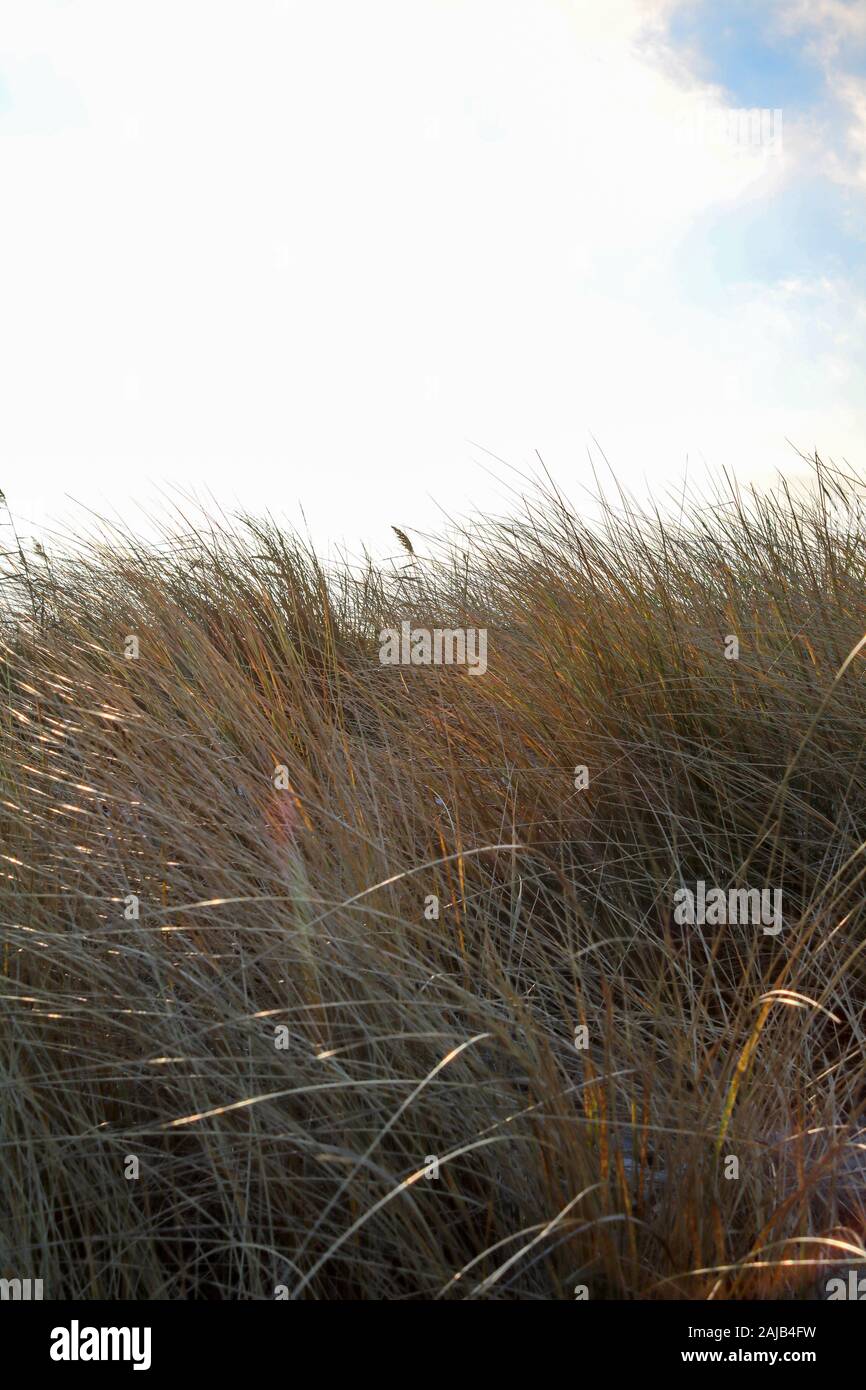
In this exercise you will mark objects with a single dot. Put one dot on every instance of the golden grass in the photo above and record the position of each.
(297, 915)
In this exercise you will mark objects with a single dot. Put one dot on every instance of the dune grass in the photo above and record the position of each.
(339, 1042)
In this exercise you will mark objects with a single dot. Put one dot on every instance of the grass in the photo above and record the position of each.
(287, 1036)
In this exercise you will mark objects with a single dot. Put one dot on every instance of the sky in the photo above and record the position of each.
(334, 255)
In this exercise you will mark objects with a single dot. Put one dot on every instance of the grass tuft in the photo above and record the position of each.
(328, 1088)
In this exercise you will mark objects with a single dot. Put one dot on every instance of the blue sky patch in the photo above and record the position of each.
(808, 231)
(738, 46)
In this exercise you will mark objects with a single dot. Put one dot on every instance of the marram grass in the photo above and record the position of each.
(328, 979)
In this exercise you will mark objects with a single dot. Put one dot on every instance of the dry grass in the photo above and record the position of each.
(298, 915)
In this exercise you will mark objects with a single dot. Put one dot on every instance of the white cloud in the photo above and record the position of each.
(282, 222)
(830, 26)
(847, 161)
(834, 35)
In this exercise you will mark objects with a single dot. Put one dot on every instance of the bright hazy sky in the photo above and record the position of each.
(318, 251)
